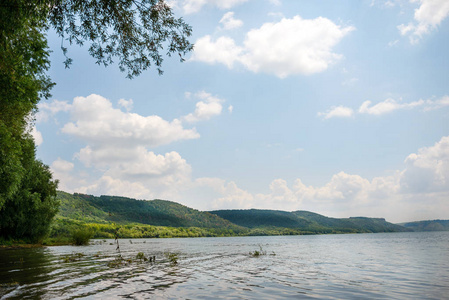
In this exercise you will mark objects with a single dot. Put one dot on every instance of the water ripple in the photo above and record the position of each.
(381, 266)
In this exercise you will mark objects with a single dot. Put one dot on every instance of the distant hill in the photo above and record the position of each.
(307, 221)
(84, 209)
(106, 209)
(431, 225)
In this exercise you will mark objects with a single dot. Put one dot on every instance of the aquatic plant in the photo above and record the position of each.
(257, 253)
(116, 262)
(72, 257)
(81, 236)
(141, 256)
(172, 258)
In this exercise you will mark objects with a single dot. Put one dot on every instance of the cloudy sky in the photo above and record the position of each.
(336, 107)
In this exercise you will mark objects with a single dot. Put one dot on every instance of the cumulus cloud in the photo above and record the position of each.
(107, 185)
(428, 16)
(428, 170)
(126, 104)
(209, 107)
(37, 136)
(223, 51)
(97, 122)
(288, 47)
(337, 112)
(293, 46)
(47, 109)
(418, 191)
(61, 165)
(63, 170)
(194, 6)
(117, 146)
(229, 22)
(224, 194)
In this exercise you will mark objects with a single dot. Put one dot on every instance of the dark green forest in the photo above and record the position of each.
(307, 222)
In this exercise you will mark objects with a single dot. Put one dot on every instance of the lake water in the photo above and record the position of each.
(357, 266)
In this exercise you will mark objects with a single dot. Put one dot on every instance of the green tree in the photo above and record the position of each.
(27, 214)
(134, 32)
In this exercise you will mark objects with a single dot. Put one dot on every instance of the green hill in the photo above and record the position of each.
(110, 216)
(431, 225)
(306, 221)
(121, 210)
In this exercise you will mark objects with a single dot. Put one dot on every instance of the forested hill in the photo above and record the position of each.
(431, 225)
(121, 210)
(307, 221)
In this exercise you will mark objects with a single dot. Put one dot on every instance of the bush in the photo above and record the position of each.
(81, 236)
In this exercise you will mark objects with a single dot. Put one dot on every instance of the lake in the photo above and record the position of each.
(413, 265)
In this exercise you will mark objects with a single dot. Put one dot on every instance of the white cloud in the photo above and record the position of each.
(97, 122)
(211, 106)
(126, 104)
(107, 185)
(419, 191)
(229, 22)
(37, 136)
(48, 109)
(427, 171)
(136, 163)
(288, 47)
(385, 107)
(223, 51)
(116, 152)
(436, 104)
(293, 46)
(427, 17)
(119, 165)
(389, 4)
(64, 171)
(223, 194)
(337, 112)
(194, 6)
(230, 109)
(61, 165)
(393, 43)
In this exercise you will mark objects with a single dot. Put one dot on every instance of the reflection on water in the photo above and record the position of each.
(386, 266)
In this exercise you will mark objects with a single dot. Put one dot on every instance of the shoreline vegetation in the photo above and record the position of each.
(84, 217)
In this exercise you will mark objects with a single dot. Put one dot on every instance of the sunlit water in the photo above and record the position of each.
(371, 266)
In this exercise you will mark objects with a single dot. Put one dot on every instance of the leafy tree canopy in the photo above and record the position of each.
(134, 32)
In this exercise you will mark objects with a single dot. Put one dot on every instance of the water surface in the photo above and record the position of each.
(381, 266)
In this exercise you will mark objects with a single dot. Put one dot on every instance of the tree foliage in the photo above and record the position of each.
(134, 32)
(27, 213)
(23, 81)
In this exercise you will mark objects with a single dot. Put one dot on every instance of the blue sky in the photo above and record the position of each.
(337, 107)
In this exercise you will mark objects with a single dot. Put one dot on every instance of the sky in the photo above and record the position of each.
(335, 107)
